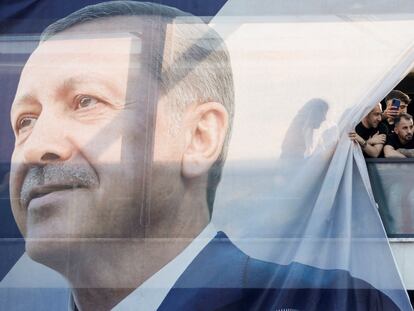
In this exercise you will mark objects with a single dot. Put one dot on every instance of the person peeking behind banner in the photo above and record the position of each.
(401, 143)
(369, 135)
(396, 103)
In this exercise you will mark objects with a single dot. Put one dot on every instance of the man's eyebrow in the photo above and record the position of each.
(69, 83)
(24, 99)
(101, 82)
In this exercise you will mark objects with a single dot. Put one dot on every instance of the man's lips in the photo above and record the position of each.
(40, 191)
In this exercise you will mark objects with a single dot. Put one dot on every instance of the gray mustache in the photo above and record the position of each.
(59, 174)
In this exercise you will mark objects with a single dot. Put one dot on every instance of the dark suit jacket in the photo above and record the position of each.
(222, 277)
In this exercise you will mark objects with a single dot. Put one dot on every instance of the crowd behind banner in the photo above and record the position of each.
(387, 133)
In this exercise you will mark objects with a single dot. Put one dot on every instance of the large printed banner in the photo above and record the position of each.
(194, 155)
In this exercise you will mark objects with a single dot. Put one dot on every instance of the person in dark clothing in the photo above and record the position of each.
(401, 143)
(370, 134)
(391, 112)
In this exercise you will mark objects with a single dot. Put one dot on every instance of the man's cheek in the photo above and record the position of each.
(111, 153)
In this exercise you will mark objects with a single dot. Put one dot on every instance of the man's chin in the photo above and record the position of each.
(51, 252)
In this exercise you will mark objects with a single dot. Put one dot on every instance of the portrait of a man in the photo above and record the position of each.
(122, 118)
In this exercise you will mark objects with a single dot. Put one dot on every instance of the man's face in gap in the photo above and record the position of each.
(374, 117)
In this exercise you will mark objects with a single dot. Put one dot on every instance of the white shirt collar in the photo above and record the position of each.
(153, 291)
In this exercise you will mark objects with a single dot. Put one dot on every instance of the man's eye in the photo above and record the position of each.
(86, 102)
(26, 123)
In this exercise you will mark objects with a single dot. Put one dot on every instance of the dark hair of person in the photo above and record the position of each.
(401, 116)
(398, 95)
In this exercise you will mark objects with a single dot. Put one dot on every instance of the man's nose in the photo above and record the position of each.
(47, 142)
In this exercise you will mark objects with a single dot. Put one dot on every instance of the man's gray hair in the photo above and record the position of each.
(198, 70)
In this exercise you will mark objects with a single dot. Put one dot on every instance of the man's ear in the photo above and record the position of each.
(205, 132)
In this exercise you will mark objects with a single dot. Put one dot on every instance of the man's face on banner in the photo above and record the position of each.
(73, 123)
(81, 140)
(89, 162)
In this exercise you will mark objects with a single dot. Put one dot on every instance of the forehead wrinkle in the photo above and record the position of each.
(71, 82)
